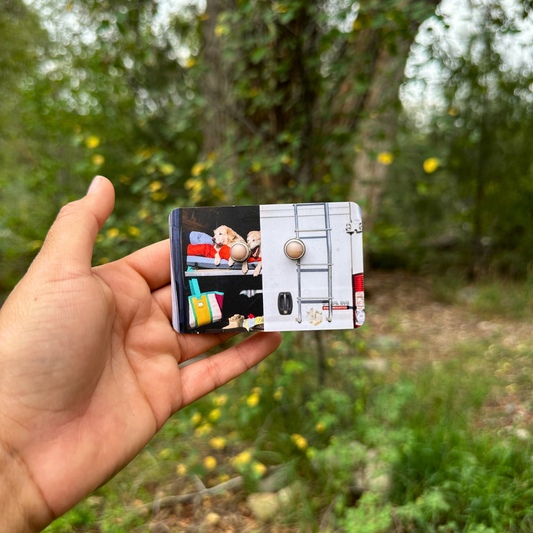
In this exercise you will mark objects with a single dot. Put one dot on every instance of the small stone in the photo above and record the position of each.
(212, 519)
(264, 505)
(510, 408)
(94, 501)
(522, 434)
(378, 365)
(287, 495)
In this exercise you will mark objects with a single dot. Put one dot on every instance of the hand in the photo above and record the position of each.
(89, 365)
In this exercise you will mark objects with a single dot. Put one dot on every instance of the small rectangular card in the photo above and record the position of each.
(281, 267)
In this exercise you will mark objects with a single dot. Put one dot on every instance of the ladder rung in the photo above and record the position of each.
(314, 270)
(314, 237)
(314, 300)
(311, 230)
(307, 205)
(316, 265)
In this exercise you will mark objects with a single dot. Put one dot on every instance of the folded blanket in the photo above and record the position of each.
(208, 250)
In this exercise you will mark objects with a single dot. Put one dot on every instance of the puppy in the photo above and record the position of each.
(254, 242)
(224, 235)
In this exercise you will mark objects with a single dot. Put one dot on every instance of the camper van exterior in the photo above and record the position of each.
(325, 286)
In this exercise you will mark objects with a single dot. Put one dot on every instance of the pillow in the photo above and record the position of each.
(197, 237)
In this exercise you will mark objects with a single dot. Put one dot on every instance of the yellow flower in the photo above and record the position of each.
(164, 454)
(219, 193)
(190, 62)
(218, 443)
(126, 180)
(98, 159)
(134, 231)
(103, 260)
(242, 459)
(191, 183)
(279, 8)
(357, 25)
(320, 427)
(220, 400)
(301, 442)
(385, 158)
(181, 469)
(253, 399)
(99, 238)
(203, 430)
(286, 159)
(223, 478)
(331, 361)
(214, 415)
(145, 153)
(210, 462)
(92, 141)
(256, 167)
(221, 29)
(143, 213)
(257, 390)
(35, 245)
(278, 395)
(167, 169)
(196, 418)
(112, 233)
(159, 196)
(211, 181)
(155, 186)
(259, 468)
(431, 164)
(197, 169)
(452, 111)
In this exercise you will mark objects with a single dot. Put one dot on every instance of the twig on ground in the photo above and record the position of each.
(171, 501)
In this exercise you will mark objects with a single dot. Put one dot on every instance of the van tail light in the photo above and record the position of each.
(358, 300)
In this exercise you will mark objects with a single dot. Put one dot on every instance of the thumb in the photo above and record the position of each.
(71, 237)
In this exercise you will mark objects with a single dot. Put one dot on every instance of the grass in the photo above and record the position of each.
(488, 297)
(420, 448)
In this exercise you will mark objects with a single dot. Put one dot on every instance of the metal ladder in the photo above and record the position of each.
(315, 267)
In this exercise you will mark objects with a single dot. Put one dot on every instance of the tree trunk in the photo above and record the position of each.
(216, 89)
(376, 133)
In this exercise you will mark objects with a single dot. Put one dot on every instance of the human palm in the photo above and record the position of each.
(89, 359)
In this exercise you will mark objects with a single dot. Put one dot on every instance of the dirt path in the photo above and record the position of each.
(403, 306)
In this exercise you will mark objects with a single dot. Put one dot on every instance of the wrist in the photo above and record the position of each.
(24, 509)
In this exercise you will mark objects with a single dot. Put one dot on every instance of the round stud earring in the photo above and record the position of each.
(294, 249)
(240, 251)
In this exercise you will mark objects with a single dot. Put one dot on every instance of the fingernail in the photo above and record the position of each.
(94, 184)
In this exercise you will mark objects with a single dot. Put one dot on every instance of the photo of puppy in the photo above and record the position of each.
(254, 242)
(223, 235)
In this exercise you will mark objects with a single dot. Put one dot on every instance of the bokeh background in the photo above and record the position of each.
(422, 112)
